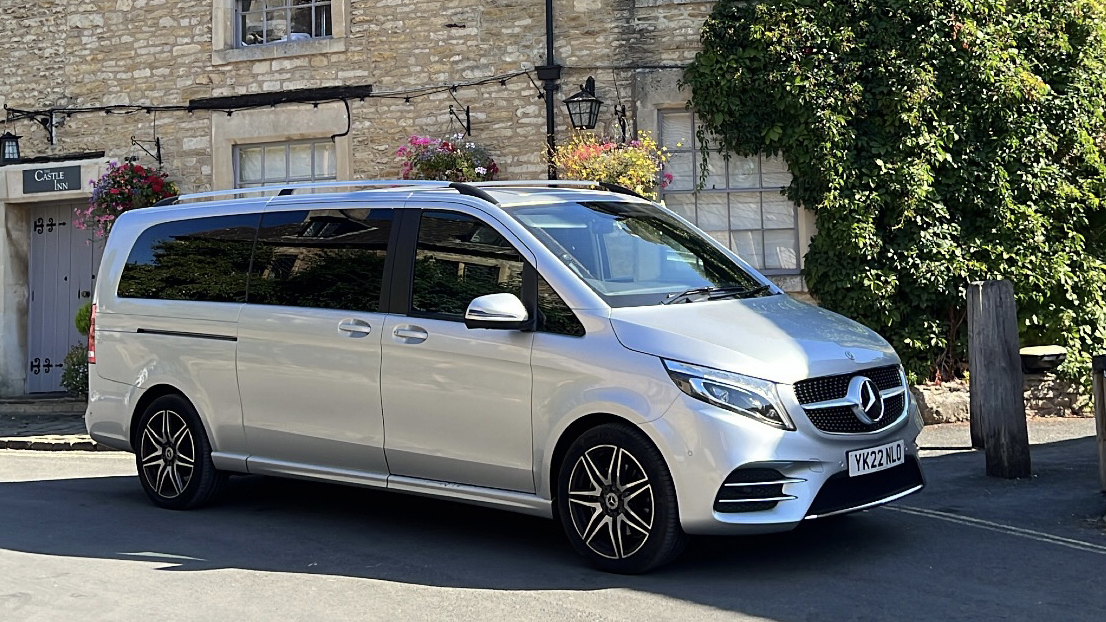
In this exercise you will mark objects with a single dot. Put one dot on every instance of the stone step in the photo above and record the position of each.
(47, 404)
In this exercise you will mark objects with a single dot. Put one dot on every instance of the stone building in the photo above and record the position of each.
(244, 92)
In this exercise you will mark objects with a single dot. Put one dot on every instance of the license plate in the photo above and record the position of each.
(864, 461)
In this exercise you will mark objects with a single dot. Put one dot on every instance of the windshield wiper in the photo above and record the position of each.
(716, 293)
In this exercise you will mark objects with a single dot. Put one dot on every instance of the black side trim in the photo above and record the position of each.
(609, 187)
(165, 201)
(180, 333)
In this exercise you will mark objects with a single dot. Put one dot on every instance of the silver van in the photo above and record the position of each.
(563, 349)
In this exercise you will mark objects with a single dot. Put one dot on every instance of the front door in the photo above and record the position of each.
(309, 343)
(62, 276)
(457, 400)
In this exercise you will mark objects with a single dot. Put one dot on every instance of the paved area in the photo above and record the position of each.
(46, 432)
(79, 541)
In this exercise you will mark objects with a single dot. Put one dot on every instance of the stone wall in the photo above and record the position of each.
(76, 53)
(1045, 396)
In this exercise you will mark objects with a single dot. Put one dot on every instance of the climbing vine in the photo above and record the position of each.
(937, 142)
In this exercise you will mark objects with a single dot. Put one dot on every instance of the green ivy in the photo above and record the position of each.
(937, 142)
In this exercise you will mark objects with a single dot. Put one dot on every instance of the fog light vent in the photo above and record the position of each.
(752, 489)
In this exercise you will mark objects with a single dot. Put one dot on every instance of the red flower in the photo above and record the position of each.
(115, 190)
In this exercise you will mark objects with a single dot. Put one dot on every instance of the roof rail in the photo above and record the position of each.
(609, 187)
(473, 191)
(290, 188)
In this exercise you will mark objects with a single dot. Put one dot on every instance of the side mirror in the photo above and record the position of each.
(503, 311)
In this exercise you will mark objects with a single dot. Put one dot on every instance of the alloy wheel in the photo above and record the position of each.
(168, 454)
(610, 500)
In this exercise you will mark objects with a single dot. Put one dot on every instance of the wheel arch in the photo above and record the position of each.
(573, 432)
(147, 398)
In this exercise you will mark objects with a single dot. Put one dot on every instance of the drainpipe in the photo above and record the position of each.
(549, 73)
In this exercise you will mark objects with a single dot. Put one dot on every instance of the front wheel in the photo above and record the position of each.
(616, 501)
(174, 456)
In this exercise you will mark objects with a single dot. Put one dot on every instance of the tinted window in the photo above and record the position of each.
(458, 258)
(554, 316)
(196, 259)
(331, 259)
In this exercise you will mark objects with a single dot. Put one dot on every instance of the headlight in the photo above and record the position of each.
(752, 397)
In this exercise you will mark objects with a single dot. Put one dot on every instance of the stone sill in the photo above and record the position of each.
(272, 51)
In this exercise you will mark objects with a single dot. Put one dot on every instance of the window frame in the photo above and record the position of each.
(761, 190)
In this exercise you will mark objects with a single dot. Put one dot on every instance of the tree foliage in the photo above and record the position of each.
(938, 142)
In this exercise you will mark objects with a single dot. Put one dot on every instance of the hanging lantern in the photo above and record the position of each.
(9, 149)
(583, 107)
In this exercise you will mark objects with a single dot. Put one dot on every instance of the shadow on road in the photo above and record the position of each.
(874, 565)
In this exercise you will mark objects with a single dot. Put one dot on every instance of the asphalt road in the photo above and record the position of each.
(79, 541)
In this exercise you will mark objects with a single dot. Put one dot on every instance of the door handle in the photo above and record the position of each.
(355, 328)
(410, 334)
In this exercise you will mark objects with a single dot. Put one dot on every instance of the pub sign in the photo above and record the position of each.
(56, 179)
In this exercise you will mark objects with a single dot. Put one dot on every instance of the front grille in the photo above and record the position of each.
(751, 490)
(842, 492)
(840, 419)
(834, 387)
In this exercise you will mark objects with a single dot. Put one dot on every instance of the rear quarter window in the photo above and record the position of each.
(202, 259)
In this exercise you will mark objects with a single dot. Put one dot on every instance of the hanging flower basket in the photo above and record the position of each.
(122, 188)
(446, 159)
(635, 165)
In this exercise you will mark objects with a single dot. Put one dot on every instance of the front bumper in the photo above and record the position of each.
(781, 477)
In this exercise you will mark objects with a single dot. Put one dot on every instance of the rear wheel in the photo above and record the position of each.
(616, 501)
(173, 455)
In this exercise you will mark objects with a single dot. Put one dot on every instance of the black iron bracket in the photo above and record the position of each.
(156, 154)
(466, 123)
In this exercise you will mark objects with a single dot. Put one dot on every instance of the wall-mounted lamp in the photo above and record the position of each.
(583, 107)
(9, 149)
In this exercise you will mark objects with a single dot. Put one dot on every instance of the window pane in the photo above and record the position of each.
(745, 210)
(330, 259)
(325, 164)
(276, 25)
(275, 164)
(712, 213)
(779, 212)
(716, 171)
(249, 164)
(457, 259)
(301, 22)
(299, 160)
(749, 246)
(682, 204)
(252, 28)
(196, 259)
(679, 164)
(744, 173)
(779, 250)
(554, 315)
(775, 172)
(675, 130)
(322, 21)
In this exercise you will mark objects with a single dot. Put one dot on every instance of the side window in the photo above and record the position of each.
(458, 258)
(197, 259)
(330, 259)
(554, 315)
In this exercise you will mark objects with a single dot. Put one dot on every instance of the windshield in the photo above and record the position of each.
(635, 254)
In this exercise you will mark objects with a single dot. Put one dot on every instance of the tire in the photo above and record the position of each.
(616, 501)
(173, 456)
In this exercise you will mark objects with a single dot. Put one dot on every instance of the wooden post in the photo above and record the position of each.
(997, 398)
(1099, 369)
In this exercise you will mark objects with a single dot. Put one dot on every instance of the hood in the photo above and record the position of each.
(773, 338)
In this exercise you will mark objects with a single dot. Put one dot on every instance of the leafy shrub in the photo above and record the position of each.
(635, 165)
(74, 373)
(83, 319)
(938, 142)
